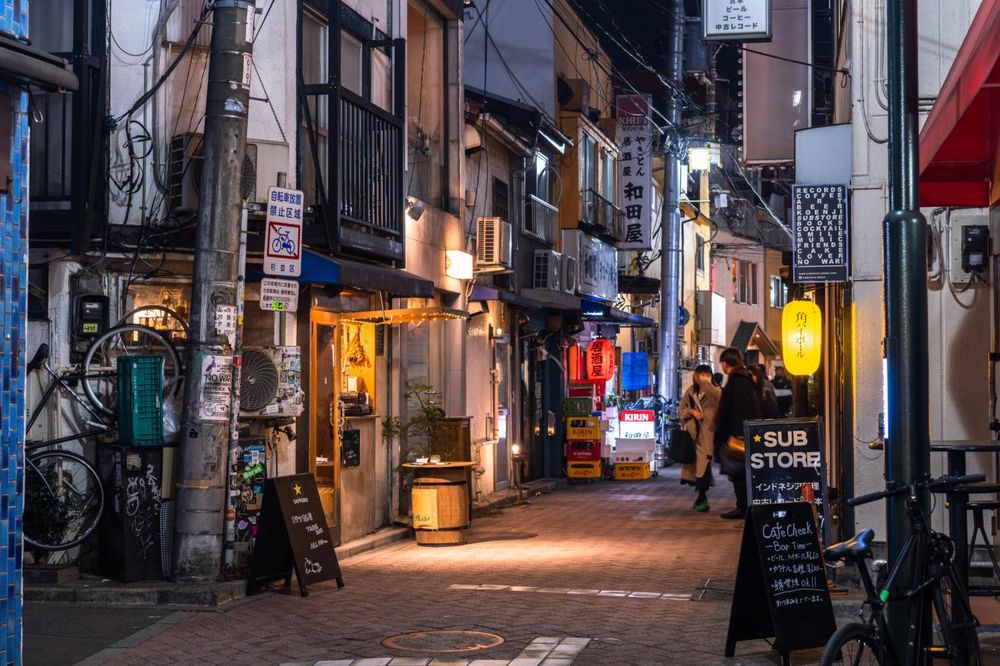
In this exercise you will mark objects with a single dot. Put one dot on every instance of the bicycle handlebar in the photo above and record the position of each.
(940, 484)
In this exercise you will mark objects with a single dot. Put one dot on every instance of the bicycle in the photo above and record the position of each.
(934, 576)
(283, 243)
(64, 497)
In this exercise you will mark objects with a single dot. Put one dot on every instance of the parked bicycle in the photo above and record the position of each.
(934, 583)
(64, 497)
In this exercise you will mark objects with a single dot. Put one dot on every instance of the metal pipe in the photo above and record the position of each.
(668, 383)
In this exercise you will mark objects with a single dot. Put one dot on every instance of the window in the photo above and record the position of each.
(501, 199)
(699, 254)
(427, 95)
(746, 282)
(541, 212)
(315, 41)
(608, 175)
(779, 292)
(588, 177)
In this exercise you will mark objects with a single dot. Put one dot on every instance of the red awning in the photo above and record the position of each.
(959, 141)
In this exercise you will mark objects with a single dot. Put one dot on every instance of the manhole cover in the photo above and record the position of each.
(443, 641)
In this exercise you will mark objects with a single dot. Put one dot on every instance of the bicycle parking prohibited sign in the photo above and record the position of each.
(279, 295)
(283, 242)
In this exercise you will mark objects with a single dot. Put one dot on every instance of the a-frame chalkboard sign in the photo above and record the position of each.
(780, 581)
(292, 535)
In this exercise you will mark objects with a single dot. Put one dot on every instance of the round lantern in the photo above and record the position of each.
(801, 337)
(600, 360)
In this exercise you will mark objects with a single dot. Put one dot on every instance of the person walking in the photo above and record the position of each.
(697, 414)
(766, 392)
(740, 401)
(782, 390)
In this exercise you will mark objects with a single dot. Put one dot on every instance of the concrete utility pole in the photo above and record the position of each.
(208, 398)
(905, 281)
(668, 382)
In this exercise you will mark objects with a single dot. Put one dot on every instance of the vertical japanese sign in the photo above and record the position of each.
(635, 179)
(820, 252)
(737, 20)
(283, 242)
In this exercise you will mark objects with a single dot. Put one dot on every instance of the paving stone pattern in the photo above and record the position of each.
(637, 539)
(13, 315)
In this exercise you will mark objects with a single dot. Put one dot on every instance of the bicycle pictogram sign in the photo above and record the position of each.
(283, 244)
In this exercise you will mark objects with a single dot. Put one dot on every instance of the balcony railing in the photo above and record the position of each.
(543, 219)
(607, 218)
(371, 167)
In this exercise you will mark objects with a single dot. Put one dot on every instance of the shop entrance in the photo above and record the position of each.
(322, 395)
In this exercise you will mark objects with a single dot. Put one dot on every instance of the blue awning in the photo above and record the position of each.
(596, 311)
(322, 269)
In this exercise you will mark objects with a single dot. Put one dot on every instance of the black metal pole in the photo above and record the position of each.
(904, 230)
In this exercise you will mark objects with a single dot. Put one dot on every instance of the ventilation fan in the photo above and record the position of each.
(258, 381)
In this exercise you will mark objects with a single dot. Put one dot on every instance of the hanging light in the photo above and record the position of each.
(458, 264)
(801, 337)
(600, 360)
(699, 158)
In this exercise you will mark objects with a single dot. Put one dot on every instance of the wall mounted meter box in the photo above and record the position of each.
(90, 316)
(968, 247)
(975, 247)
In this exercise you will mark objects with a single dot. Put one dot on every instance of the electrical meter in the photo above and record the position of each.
(91, 316)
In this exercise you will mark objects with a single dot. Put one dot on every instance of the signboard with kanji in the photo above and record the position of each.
(820, 226)
(279, 295)
(737, 20)
(635, 173)
(283, 239)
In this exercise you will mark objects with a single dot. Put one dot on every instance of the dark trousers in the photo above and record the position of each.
(740, 490)
(704, 482)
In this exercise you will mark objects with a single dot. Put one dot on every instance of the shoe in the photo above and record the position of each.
(735, 514)
(701, 506)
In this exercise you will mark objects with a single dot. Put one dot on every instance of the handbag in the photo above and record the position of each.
(733, 455)
(683, 447)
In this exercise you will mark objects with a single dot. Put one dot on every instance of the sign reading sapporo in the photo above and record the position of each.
(820, 226)
(283, 240)
(737, 20)
(786, 463)
(278, 295)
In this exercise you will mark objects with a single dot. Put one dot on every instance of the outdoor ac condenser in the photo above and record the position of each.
(547, 270)
(271, 382)
(186, 162)
(568, 274)
(493, 243)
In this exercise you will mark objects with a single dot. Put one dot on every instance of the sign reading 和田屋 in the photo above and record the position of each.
(635, 172)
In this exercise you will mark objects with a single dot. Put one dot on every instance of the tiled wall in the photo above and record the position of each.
(13, 317)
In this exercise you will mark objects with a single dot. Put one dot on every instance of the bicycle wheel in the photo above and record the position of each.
(63, 500)
(100, 362)
(855, 644)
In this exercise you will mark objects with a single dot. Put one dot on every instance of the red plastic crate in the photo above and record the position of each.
(583, 450)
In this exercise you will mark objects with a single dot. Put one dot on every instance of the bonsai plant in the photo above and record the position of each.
(427, 431)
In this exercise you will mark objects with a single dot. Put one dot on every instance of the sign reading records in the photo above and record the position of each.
(821, 249)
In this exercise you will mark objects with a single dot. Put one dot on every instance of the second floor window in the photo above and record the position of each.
(501, 199)
(426, 99)
(699, 254)
(746, 283)
(779, 292)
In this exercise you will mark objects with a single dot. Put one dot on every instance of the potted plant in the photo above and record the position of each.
(427, 432)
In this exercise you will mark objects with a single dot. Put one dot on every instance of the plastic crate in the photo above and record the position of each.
(578, 406)
(583, 469)
(583, 427)
(140, 400)
(631, 471)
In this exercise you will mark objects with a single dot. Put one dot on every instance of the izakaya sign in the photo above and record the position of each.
(636, 424)
(635, 181)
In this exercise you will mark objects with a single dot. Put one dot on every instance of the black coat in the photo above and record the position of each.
(740, 402)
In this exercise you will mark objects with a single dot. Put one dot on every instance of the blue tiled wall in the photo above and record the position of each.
(13, 326)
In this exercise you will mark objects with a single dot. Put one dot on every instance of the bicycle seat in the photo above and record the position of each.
(36, 361)
(858, 547)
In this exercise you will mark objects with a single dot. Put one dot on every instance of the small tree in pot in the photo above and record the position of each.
(427, 431)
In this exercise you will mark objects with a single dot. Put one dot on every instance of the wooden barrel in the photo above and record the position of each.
(440, 501)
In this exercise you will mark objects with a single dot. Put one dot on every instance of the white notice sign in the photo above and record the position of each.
(635, 169)
(279, 295)
(216, 388)
(283, 243)
(737, 20)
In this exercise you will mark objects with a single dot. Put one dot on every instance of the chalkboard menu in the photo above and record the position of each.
(786, 462)
(781, 588)
(292, 535)
(350, 448)
(820, 226)
(130, 527)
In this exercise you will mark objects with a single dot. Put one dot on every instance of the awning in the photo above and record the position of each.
(482, 293)
(750, 334)
(638, 284)
(555, 300)
(405, 315)
(321, 269)
(592, 311)
(20, 63)
(959, 141)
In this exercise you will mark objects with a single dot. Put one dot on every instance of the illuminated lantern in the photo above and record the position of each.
(801, 337)
(600, 360)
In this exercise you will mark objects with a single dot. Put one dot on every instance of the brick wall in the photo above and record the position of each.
(13, 317)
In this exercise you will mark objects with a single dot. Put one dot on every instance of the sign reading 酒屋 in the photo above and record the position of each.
(821, 245)
(636, 424)
(283, 240)
(635, 172)
(737, 20)
(279, 295)
(786, 463)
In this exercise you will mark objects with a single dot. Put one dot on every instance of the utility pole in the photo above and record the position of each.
(208, 393)
(668, 382)
(905, 282)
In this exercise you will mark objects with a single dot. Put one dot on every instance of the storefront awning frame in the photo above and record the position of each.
(405, 315)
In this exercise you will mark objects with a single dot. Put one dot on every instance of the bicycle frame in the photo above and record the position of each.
(64, 381)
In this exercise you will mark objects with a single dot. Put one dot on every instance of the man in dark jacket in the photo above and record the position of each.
(740, 402)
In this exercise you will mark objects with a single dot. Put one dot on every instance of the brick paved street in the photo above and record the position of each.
(612, 562)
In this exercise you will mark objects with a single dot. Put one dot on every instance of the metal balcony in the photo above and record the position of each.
(602, 217)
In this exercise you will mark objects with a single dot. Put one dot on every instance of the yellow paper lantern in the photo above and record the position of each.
(801, 337)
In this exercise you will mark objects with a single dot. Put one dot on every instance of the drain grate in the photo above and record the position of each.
(450, 641)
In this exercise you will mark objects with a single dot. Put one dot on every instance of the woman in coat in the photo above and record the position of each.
(697, 414)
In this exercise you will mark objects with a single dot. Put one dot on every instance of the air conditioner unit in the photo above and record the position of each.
(710, 311)
(547, 270)
(493, 243)
(569, 274)
(271, 383)
(186, 163)
(575, 96)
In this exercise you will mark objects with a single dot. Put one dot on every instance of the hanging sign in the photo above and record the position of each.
(283, 241)
(821, 245)
(279, 295)
(600, 360)
(801, 337)
(736, 20)
(786, 462)
(635, 181)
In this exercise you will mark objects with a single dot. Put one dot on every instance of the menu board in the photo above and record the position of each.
(781, 588)
(820, 226)
(786, 462)
(292, 534)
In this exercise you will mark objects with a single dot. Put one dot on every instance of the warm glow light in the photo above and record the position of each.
(699, 158)
(600, 358)
(515, 449)
(458, 264)
(801, 337)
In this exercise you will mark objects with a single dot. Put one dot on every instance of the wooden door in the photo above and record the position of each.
(324, 392)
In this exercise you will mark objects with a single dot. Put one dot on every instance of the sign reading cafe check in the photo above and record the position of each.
(635, 170)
